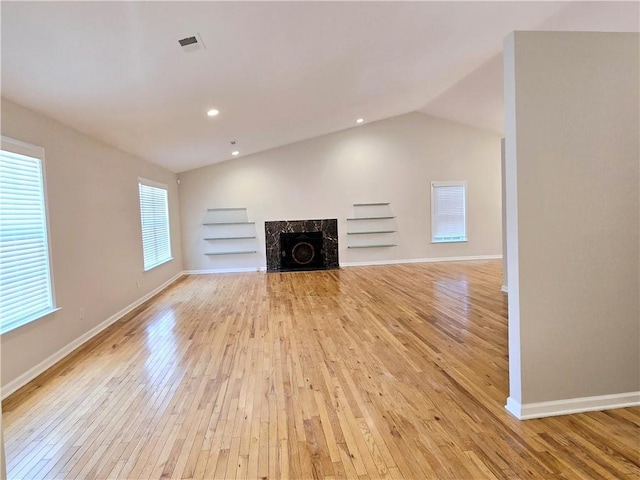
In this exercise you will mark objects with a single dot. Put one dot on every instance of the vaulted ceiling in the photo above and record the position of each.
(278, 72)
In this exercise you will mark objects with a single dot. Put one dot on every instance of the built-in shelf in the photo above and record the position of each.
(229, 223)
(370, 218)
(375, 204)
(232, 225)
(230, 238)
(225, 209)
(373, 227)
(234, 252)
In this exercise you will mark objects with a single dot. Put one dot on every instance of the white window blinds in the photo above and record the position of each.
(154, 215)
(448, 212)
(26, 291)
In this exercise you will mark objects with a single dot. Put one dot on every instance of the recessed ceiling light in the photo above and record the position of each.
(235, 152)
(213, 112)
(360, 120)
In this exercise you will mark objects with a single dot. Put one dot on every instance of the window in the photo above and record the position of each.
(448, 212)
(26, 288)
(154, 217)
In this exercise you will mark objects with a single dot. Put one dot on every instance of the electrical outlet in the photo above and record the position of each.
(137, 283)
(82, 313)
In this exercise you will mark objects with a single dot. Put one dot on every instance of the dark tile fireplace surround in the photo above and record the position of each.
(301, 245)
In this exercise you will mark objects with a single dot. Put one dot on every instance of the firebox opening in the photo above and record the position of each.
(302, 251)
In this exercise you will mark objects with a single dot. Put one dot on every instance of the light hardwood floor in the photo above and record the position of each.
(360, 373)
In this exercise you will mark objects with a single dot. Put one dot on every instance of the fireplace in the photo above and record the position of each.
(301, 245)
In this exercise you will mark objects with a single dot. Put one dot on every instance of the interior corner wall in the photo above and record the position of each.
(95, 238)
(392, 160)
(573, 228)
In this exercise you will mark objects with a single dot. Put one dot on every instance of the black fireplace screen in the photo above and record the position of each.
(302, 251)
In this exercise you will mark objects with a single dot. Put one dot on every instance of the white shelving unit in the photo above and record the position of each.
(372, 226)
(228, 232)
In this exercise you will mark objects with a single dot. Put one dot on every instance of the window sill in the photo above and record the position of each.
(450, 241)
(28, 320)
(158, 264)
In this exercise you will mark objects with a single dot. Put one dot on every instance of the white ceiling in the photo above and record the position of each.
(278, 72)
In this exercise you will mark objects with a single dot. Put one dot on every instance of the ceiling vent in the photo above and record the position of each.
(192, 43)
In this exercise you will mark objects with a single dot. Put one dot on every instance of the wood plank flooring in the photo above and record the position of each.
(365, 372)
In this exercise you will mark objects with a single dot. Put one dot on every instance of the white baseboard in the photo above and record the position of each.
(504, 289)
(225, 270)
(49, 362)
(572, 405)
(420, 260)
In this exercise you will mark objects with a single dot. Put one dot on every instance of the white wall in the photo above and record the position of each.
(392, 160)
(95, 239)
(572, 169)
